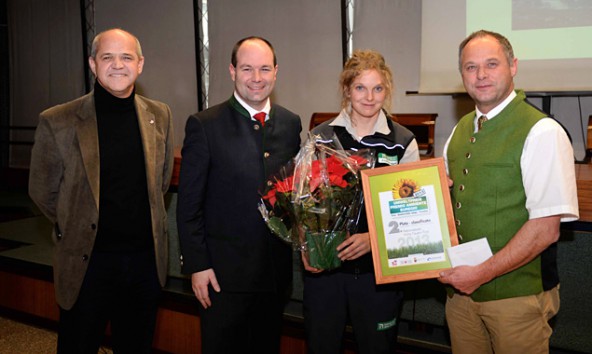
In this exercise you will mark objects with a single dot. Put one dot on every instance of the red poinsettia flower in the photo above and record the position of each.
(280, 186)
(337, 181)
(335, 170)
(270, 196)
(313, 197)
(321, 181)
(335, 167)
(286, 185)
(359, 160)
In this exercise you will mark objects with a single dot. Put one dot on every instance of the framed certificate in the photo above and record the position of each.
(410, 220)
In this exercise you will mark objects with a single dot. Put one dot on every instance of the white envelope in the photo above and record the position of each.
(471, 253)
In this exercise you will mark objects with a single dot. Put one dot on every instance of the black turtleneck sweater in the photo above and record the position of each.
(124, 209)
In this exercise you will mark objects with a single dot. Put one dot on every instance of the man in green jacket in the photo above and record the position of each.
(513, 183)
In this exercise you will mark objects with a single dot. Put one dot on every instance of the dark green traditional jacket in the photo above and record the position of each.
(488, 196)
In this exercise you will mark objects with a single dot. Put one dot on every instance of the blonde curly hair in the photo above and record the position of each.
(365, 60)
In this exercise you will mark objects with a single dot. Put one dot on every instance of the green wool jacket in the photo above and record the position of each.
(488, 197)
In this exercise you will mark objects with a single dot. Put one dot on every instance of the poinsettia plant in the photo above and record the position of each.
(313, 201)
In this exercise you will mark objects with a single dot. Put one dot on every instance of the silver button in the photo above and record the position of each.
(468, 155)
(461, 187)
(473, 139)
(465, 171)
(266, 154)
(458, 205)
(256, 127)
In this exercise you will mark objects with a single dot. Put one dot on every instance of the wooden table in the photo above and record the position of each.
(584, 183)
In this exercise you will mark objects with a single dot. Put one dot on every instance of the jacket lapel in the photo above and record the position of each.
(88, 141)
(147, 122)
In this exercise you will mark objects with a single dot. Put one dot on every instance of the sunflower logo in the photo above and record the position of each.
(404, 188)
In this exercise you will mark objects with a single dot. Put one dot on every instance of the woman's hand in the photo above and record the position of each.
(307, 266)
(354, 247)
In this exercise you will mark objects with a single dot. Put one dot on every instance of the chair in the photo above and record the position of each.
(319, 117)
(421, 124)
(588, 156)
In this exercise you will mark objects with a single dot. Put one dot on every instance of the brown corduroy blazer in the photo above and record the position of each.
(64, 183)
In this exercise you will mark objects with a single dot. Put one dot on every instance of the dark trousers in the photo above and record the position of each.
(119, 287)
(246, 323)
(373, 311)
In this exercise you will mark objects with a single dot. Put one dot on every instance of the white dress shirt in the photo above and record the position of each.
(547, 164)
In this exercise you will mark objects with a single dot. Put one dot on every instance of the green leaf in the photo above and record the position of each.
(277, 226)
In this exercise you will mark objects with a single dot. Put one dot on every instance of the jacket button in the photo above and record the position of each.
(473, 139)
(85, 258)
(256, 127)
(269, 183)
(468, 155)
(457, 222)
(460, 237)
(465, 171)
(266, 154)
(461, 187)
(458, 205)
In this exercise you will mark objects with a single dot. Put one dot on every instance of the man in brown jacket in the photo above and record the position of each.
(100, 167)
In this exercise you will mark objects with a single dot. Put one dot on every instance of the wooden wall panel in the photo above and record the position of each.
(28, 295)
(177, 332)
(177, 327)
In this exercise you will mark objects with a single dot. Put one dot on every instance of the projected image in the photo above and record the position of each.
(539, 14)
(550, 39)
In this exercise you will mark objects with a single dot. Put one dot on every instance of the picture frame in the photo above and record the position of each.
(410, 220)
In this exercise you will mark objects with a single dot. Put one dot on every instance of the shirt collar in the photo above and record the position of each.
(251, 110)
(344, 120)
(497, 109)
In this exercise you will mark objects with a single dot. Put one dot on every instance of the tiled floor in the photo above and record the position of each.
(18, 337)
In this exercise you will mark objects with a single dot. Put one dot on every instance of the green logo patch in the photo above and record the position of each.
(383, 326)
(388, 160)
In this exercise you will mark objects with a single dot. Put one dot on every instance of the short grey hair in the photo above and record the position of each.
(96, 40)
(503, 41)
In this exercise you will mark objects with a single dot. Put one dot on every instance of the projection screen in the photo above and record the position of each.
(552, 40)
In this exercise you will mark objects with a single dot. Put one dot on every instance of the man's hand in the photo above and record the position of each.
(199, 284)
(532, 239)
(354, 247)
(465, 279)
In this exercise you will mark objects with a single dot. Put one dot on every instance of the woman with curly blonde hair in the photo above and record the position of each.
(331, 297)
